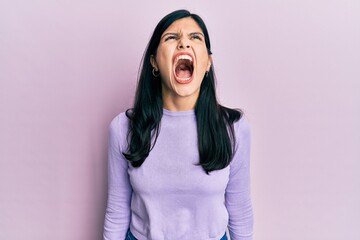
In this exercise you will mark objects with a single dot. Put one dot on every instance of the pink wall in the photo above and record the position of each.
(66, 69)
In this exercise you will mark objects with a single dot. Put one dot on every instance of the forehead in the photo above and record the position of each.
(184, 25)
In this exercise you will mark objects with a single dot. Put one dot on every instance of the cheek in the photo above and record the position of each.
(203, 56)
(163, 58)
(203, 65)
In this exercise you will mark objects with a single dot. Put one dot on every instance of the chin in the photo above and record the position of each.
(187, 90)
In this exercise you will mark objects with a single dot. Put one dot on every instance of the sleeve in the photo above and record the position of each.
(237, 195)
(117, 216)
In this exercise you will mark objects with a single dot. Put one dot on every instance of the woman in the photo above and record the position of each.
(178, 160)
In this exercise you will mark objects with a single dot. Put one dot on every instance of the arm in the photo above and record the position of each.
(237, 195)
(117, 217)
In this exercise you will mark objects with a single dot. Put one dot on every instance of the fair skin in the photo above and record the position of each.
(183, 61)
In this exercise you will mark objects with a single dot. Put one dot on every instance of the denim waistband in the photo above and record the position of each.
(130, 236)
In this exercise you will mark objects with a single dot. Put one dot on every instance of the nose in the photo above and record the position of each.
(183, 43)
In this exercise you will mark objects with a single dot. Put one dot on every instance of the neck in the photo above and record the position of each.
(177, 104)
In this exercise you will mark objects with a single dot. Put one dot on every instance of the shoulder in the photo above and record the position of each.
(118, 129)
(238, 119)
(242, 141)
(119, 121)
(242, 127)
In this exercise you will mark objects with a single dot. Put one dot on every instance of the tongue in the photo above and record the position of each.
(183, 71)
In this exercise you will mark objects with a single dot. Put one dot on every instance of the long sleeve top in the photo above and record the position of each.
(170, 197)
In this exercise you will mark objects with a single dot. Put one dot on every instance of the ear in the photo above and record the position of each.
(154, 63)
(209, 64)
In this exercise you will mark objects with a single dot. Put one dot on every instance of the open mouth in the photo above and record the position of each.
(184, 68)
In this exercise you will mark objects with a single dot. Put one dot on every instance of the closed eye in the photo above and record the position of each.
(170, 36)
(196, 37)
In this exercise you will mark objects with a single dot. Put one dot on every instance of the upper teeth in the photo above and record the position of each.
(184, 57)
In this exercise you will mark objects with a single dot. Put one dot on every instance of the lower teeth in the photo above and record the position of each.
(184, 79)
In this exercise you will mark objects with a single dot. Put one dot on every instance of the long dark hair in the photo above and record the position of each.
(215, 123)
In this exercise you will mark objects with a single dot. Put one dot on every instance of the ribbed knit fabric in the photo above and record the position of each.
(170, 197)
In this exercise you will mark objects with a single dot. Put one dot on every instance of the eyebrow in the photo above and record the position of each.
(176, 34)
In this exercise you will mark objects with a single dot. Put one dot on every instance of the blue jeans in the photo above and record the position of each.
(130, 236)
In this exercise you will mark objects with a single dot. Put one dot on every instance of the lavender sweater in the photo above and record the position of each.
(171, 198)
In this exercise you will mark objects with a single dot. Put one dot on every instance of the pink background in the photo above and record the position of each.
(68, 67)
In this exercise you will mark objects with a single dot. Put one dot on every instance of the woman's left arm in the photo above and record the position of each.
(237, 195)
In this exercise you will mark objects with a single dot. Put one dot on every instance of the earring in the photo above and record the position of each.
(154, 73)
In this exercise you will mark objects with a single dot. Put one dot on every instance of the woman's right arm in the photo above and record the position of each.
(117, 217)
